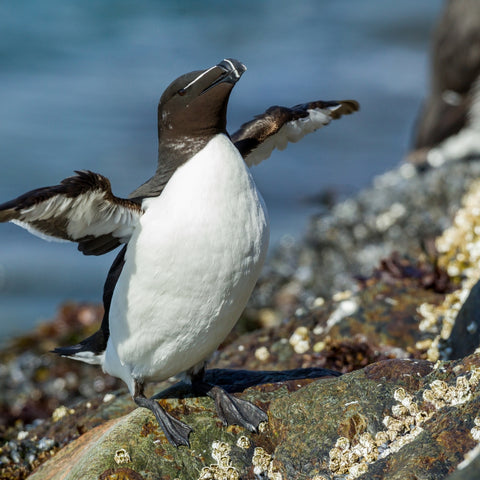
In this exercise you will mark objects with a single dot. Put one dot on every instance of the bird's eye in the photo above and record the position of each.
(182, 92)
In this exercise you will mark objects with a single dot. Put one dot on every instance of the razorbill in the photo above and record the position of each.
(194, 238)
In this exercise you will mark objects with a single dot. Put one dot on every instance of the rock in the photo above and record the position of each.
(459, 256)
(465, 336)
(469, 468)
(351, 331)
(408, 428)
(393, 414)
(134, 445)
(392, 419)
(401, 211)
(33, 382)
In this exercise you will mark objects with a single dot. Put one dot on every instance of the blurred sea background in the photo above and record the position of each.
(80, 82)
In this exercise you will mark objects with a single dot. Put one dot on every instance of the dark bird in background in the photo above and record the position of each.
(194, 238)
(448, 127)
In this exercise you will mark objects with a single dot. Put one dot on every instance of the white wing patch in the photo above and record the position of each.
(81, 209)
(93, 216)
(87, 214)
(292, 131)
(31, 229)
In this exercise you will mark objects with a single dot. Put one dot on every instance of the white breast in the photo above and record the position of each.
(190, 267)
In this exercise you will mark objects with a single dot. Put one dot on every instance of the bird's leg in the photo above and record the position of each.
(176, 431)
(231, 410)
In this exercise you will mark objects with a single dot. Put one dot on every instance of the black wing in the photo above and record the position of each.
(82, 209)
(279, 125)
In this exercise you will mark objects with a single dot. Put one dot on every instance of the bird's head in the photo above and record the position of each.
(195, 104)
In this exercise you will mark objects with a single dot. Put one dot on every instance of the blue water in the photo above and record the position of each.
(79, 84)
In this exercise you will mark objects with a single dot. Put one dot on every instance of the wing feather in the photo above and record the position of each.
(278, 126)
(82, 209)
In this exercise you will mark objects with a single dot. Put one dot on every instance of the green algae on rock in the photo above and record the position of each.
(392, 419)
(339, 422)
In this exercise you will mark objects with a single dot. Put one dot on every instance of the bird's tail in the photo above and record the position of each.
(91, 350)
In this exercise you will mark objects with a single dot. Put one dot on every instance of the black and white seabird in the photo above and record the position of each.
(194, 239)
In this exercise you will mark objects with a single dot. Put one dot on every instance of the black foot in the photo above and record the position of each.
(176, 431)
(232, 410)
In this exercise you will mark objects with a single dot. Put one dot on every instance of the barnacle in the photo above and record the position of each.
(300, 340)
(262, 354)
(122, 456)
(352, 457)
(261, 461)
(475, 431)
(61, 412)
(223, 469)
(459, 255)
(243, 442)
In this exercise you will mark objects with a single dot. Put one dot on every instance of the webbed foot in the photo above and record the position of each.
(176, 431)
(231, 410)
(235, 411)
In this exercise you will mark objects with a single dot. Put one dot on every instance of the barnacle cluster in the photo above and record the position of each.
(402, 426)
(346, 305)
(440, 394)
(243, 442)
(223, 469)
(459, 255)
(262, 427)
(346, 458)
(263, 465)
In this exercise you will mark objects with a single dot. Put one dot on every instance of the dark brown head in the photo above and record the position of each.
(191, 111)
(195, 104)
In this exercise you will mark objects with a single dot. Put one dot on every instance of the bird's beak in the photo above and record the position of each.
(230, 71)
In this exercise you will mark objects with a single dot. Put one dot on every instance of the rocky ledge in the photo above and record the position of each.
(401, 328)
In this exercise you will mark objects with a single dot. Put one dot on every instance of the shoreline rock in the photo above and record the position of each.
(392, 413)
(402, 211)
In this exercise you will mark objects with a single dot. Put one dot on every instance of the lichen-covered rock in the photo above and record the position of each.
(392, 419)
(392, 415)
(379, 321)
(135, 447)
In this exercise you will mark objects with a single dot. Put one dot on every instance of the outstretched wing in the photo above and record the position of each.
(82, 209)
(279, 125)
